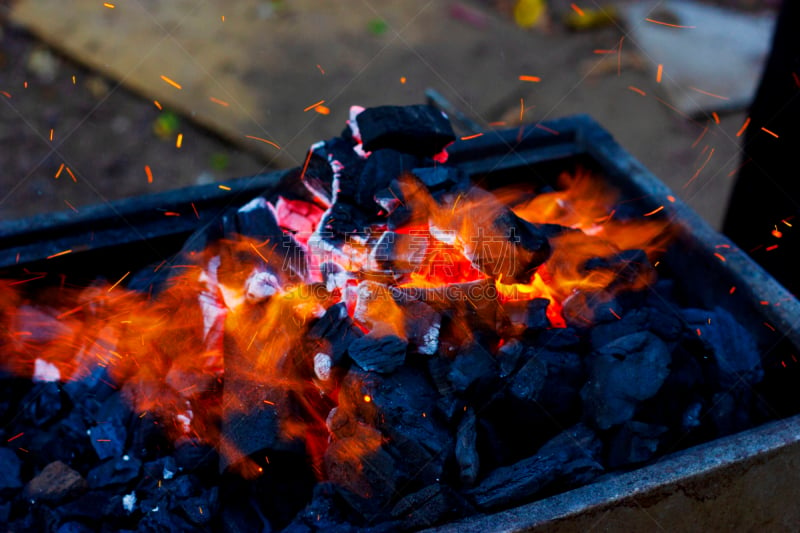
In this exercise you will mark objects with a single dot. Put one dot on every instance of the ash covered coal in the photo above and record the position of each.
(397, 349)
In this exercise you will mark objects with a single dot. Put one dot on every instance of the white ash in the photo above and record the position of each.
(430, 341)
(322, 366)
(44, 372)
(260, 285)
(129, 501)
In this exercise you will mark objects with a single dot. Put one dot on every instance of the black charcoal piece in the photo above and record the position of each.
(10, 466)
(429, 506)
(667, 326)
(56, 483)
(420, 130)
(117, 471)
(634, 443)
(163, 468)
(381, 168)
(108, 439)
(621, 375)
(337, 328)
(441, 177)
(317, 174)
(323, 513)
(510, 357)
(193, 455)
(568, 459)
(201, 509)
(467, 449)
(559, 339)
(74, 527)
(382, 354)
(43, 403)
(529, 381)
(628, 266)
(735, 353)
(472, 366)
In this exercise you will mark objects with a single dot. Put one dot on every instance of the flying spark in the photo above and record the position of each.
(744, 127)
(530, 78)
(263, 141)
(171, 82)
(312, 106)
(668, 24)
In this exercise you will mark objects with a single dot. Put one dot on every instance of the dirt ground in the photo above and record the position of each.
(107, 137)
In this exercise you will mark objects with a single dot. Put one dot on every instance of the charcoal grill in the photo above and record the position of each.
(738, 481)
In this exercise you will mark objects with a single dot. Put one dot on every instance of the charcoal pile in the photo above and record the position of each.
(381, 345)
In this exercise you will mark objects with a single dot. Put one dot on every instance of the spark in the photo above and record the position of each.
(119, 281)
(786, 222)
(25, 84)
(733, 289)
(196, 214)
(224, 187)
(545, 128)
(744, 127)
(521, 108)
(263, 141)
(668, 24)
(103, 440)
(59, 171)
(604, 51)
(367, 398)
(777, 233)
(149, 173)
(21, 281)
(671, 198)
(305, 165)
(702, 134)
(179, 140)
(6, 94)
(770, 248)
(764, 302)
(770, 326)
(765, 130)
(654, 211)
(222, 18)
(403, 80)
(468, 137)
(715, 116)
(158, 105)
(217, 101)
(269, 402)
(720, 256)
(171, 82)
(701, 91)
(15, 437)
(312, 106)
(637, 90)
(498, 123)
(737, 169)
(74, 81)
(615, 314)
(659, 73)
(109, 6)
(530, 78)
(71, 175)
(577, 10)
(699, 170)
(171, 214)
(52, 132)
(258, 252)
(321, 70)
(71, 206)
(65, 252)
(322, 110)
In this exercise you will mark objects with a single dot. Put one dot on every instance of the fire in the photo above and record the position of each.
(251, 306)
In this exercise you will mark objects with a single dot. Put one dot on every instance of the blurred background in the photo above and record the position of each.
(101, 101)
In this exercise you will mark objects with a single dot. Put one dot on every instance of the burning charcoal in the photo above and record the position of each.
(381, 168)
(10, 466)
(108, 439)
(400, 253)
(56, 483)
(633, 443)
(471, 367)
(117, 471)
(628, 266)
(736, 356)
(325, 165)
(466, 449)
(566, 460)
(382, 354)
(429, 506)
(439, 369)
(422, 326)
(531, 314)
(43, 403)
(621, 374)
(421, 130)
